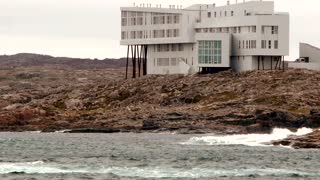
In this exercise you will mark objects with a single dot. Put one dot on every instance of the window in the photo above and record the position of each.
(245, 12)
(239, 29)
(173, 47)
(124, 18)
(169, 32)
(209, 52)
(123, 35)
(262, 29)
(176, 33)
(234, 30)
(169, 19)
(209, 14)
(253, 44)
(263, 44)
(239, 45)
(124, 22)
(163, 62)
(133, 35)
(139, 34)
(180, 47)
(232, 13)
(254, 29)
(225, 13)
(276, 44)
(274, 29)
(215, 14)
(269, 44)
(167, 48)
(176, 19)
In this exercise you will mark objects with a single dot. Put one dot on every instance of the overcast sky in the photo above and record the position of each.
(91, 28)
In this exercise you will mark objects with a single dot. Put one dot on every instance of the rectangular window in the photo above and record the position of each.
(276, 44)
(173, 47)
(124, 22)
(123, 35)
(209, 52)
(262, 29)
(163, 62)
(263, 44)
(209, 14)
(232, 13)
(215, 14)
(169, 19)
(124, 14)
(269, 44)
(176, 33)
(253, 44)
(159, 48)
(176, 19)
(180, 47)
(274, 29)
(254, 29)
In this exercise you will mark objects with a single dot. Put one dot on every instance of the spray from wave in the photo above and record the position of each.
(40, 167)
(247, 139)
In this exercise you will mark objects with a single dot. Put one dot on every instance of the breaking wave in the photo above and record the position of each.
(247, 139)
(40, 167)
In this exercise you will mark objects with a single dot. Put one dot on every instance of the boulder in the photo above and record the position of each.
(308, 141)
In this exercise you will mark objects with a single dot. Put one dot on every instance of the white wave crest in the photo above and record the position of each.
(40, 167)
(247, 139)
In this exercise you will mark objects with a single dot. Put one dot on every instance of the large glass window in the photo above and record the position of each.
(209, 52)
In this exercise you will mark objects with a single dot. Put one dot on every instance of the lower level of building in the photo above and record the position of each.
(207, 56)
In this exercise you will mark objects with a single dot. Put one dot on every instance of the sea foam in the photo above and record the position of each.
(247, 139)
(40, 167)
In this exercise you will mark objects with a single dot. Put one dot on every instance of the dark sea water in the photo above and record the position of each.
(150, 156)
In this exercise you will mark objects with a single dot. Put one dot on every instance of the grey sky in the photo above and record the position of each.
(91, 28)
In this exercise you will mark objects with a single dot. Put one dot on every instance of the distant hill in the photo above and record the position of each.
(26, 59)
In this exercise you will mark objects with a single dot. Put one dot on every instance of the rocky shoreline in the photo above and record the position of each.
(58, 94)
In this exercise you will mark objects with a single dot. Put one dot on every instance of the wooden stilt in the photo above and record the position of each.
(134, 61)
(283, 64)
(271, 59)
(145, 60)
(127, 64)
(262, 62)
(139, 59)
(280, 61)
(258, 62)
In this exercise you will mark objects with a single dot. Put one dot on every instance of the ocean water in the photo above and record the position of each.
(33, 156)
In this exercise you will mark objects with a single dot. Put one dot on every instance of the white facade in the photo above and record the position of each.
(243, 36)
(310, 55)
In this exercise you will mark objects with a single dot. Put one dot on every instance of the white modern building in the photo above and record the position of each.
(203, 37)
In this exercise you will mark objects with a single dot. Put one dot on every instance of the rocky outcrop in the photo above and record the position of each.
(50, 94)
(308, 141)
